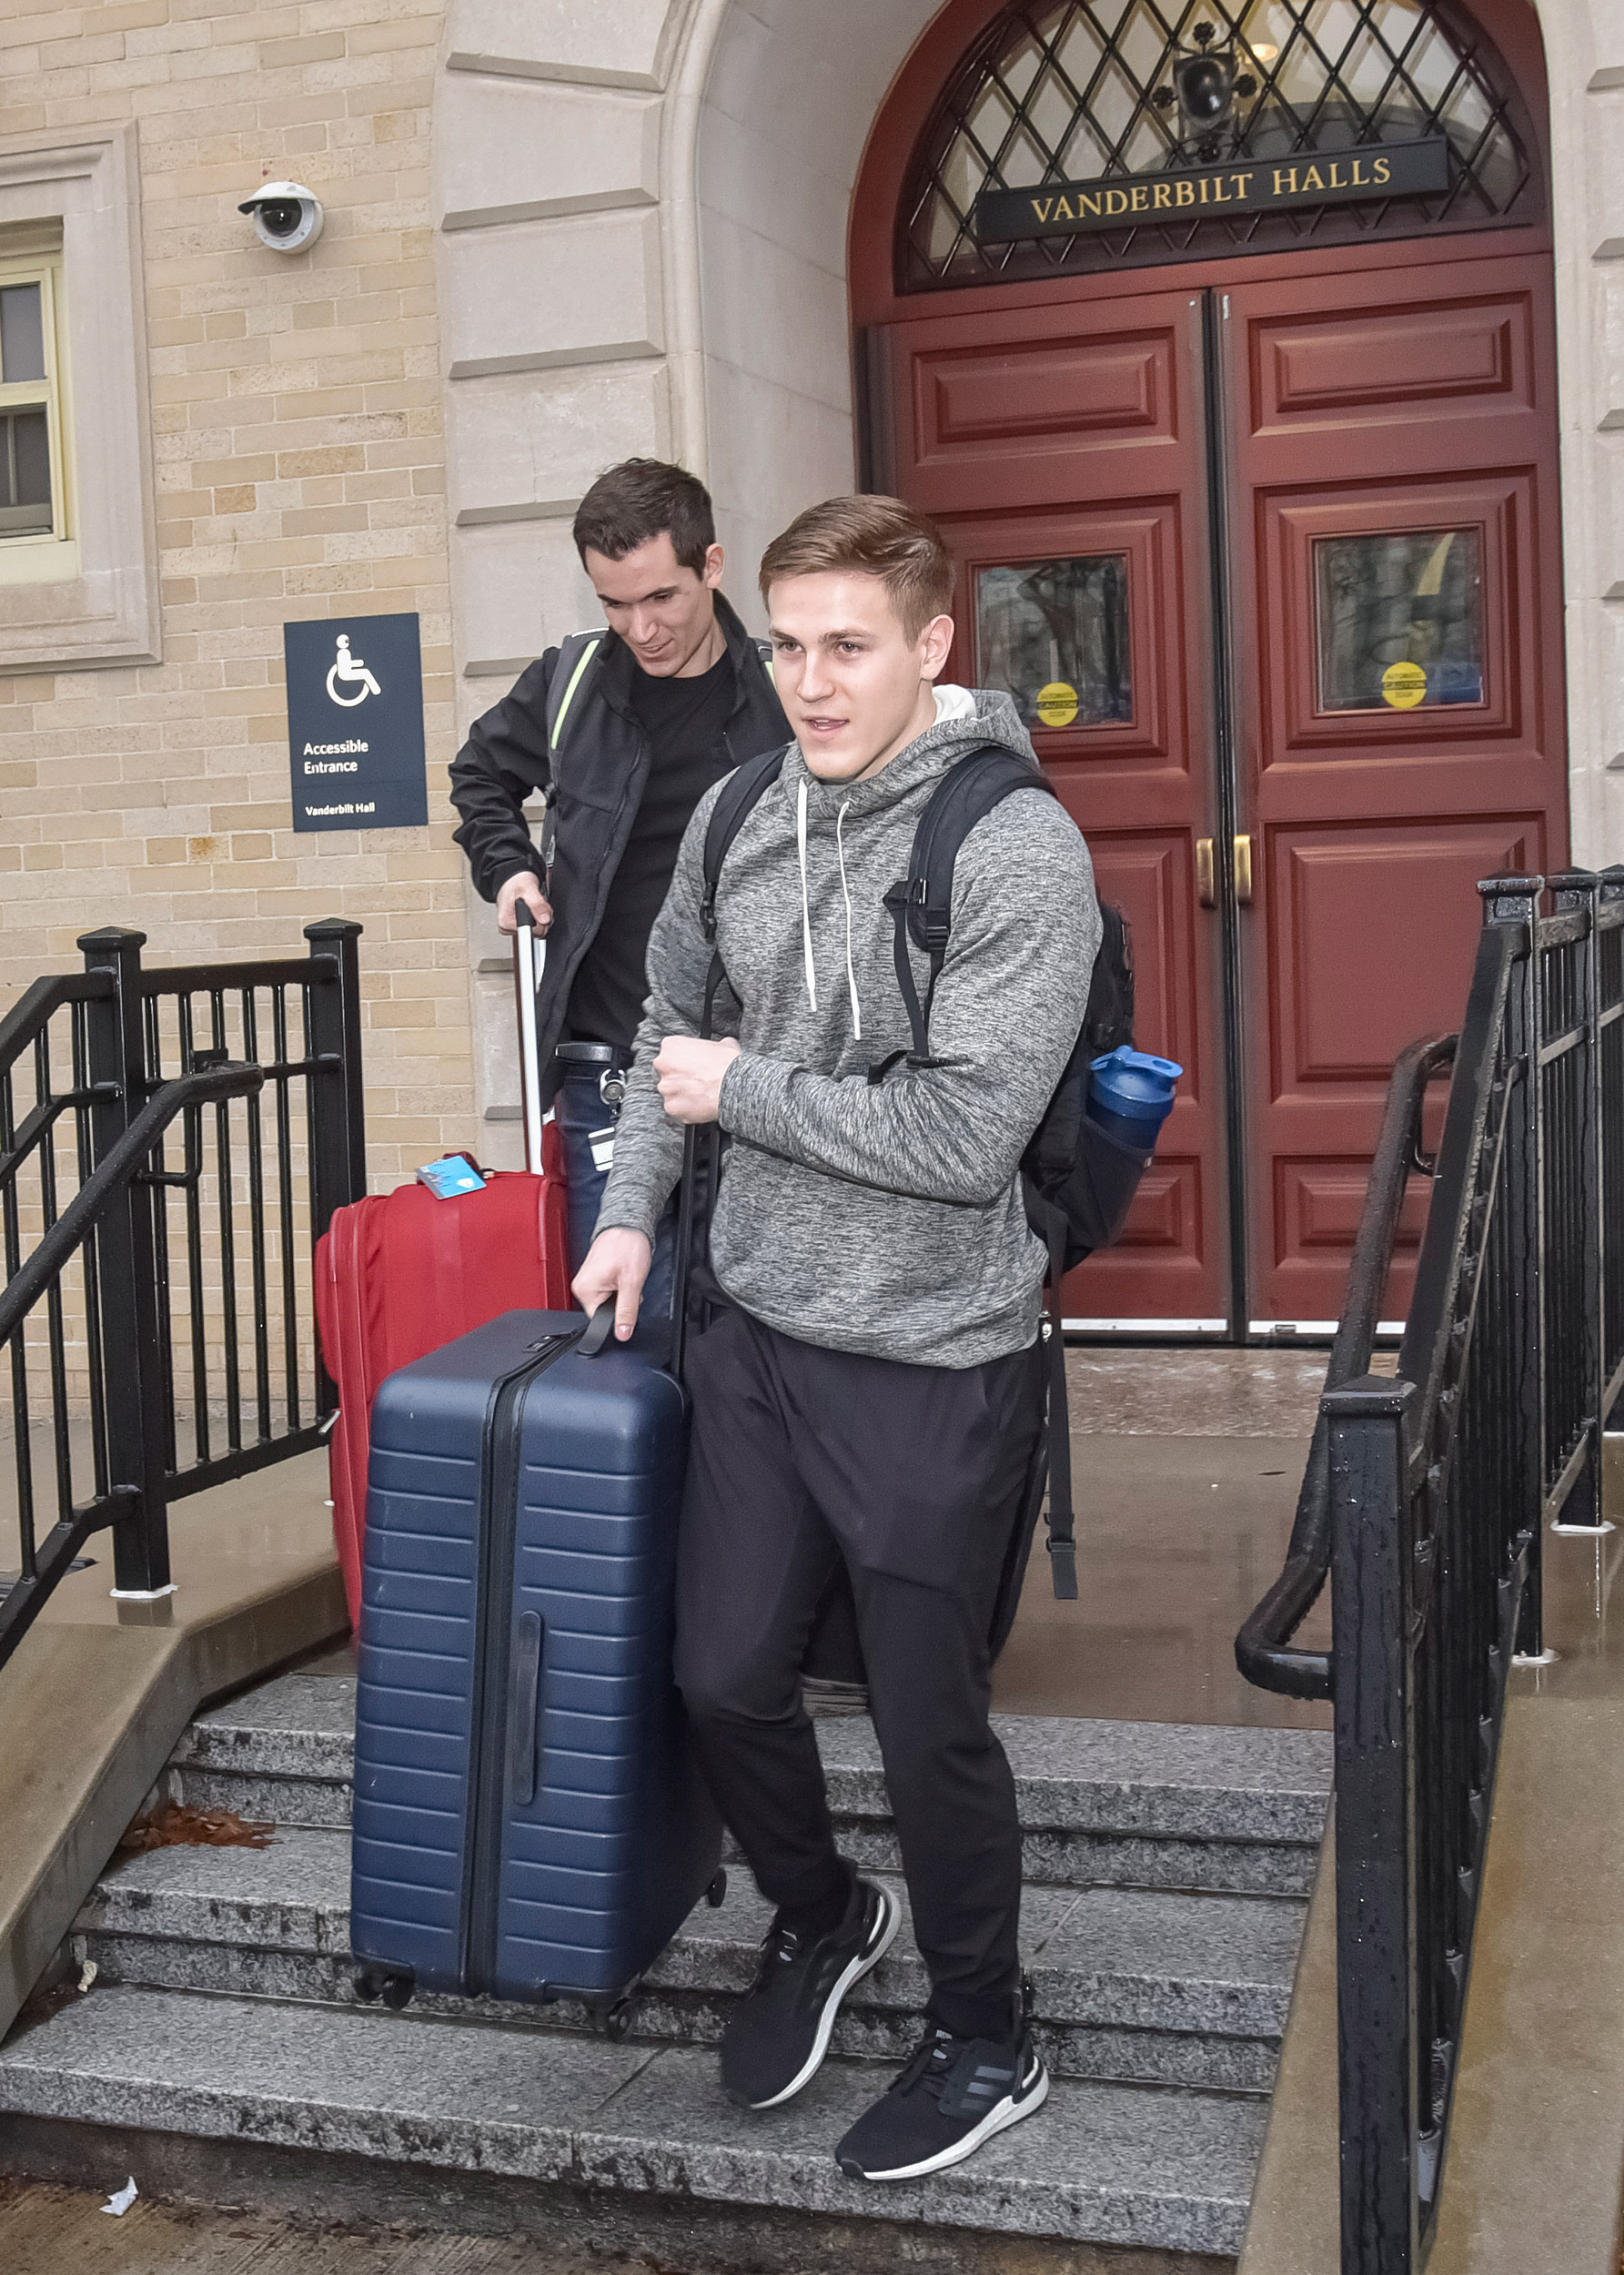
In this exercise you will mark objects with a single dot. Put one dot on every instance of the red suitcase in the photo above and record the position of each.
(399, 1274)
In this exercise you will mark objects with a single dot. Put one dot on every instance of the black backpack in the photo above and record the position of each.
(1077, 1180)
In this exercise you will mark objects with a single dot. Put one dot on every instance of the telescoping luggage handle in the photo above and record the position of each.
(530, 961)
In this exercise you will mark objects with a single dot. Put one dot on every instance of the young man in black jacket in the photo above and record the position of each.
(623, 729)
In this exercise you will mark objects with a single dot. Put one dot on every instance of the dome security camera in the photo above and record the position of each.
(286, 215)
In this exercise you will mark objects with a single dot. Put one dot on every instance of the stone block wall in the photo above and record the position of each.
(299, 472)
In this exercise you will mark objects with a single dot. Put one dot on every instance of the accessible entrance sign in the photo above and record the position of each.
(354, 723)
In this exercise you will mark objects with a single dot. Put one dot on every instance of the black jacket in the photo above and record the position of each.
(597, 778)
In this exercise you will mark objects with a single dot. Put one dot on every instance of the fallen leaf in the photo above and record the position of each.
(173, 1825)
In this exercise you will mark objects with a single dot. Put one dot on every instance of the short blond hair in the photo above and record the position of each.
(869, 536)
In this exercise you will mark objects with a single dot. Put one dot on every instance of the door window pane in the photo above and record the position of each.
(1401, 620)
(22, 335)
(1055, 635)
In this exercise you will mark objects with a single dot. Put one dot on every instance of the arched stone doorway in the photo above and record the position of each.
(1252, 477)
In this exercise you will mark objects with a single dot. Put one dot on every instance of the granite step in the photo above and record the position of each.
(1154, 2167)
(1145, 1986)
(1144, 1804)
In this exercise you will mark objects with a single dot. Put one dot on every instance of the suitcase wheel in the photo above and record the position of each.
(716, 1895)
(368, 1985)
(397, 1991)
(617, 2021)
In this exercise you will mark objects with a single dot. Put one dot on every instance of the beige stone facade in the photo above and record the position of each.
(298, 470)
(560, 230)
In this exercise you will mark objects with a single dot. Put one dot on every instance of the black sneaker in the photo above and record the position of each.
(779, 2033)
(954, 2094)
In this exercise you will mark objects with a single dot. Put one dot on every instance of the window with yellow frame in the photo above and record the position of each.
(33, 485)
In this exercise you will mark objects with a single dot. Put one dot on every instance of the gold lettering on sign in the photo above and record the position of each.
(1088, 208)
(1040, 206)
(1062, 211)
(1186, 194)
(1218, 197)
(1285, 181)
(1311, 179)
(1243, 183)
(1384, 172)
(1163, 196)
(1359, 179)
(1141, 198)
(1116, 201)
(1335, 181)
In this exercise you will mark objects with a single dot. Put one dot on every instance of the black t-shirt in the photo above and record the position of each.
(684, 720)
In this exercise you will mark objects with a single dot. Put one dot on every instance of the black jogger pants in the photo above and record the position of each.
(913, 1476)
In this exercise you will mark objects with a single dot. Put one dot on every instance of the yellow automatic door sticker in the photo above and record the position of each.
(1057, 703)
(1403, 685)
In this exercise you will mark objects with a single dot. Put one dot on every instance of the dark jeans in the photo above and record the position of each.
(581, 1114)
(804, 1458)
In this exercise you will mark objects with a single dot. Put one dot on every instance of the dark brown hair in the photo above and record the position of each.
(869, 536)
(635, 501)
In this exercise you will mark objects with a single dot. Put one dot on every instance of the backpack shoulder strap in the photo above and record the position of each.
(741, 794)
(575, 659)
(922, 905)
(966, 794)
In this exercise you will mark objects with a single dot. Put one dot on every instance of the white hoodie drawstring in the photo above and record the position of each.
(840, 851)
(806, 939)
(812, 969)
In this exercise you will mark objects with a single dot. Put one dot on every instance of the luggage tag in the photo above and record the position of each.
(449, 1178)
(603, 1142)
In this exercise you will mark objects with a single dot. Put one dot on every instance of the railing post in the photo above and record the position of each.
(1579, 890)
(1372, 1587)
(338, 1159)
(1515, 901)
(1609, 1131)
(125, 1274)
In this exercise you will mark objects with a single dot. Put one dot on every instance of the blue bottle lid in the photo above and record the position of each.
(1127, 1079)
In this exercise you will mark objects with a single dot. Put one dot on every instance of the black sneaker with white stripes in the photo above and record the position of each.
(952, 2095)
(779, 2032)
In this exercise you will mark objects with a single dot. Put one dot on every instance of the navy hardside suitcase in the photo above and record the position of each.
(528, 1818)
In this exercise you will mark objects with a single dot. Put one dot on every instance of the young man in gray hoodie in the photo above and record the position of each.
(871, 1392)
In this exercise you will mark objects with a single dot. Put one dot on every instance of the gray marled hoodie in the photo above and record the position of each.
(883, 1218)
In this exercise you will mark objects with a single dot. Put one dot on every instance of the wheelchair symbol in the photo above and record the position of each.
(353, 671)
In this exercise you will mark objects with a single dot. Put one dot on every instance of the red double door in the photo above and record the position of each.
(1270, 560)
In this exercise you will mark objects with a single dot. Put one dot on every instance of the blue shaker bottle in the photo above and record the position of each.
(1130, 1093)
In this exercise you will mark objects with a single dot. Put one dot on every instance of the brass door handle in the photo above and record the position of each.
(1243, 871)
(1206, 882)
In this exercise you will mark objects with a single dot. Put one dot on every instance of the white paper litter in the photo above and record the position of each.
(120, 2202)
(87, 1974)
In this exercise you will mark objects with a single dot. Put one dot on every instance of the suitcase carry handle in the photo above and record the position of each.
(526, 1700)
(530, 961)
(597, 1331)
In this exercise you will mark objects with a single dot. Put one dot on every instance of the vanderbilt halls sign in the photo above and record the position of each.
(1379, 170)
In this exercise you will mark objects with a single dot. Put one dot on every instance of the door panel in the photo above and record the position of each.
(1396, 578)
(1061, 451)
(1385, 439)
(1313, 370)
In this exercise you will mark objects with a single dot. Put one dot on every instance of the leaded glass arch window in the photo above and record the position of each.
(1146, 90)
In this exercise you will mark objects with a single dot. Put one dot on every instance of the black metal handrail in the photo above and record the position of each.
(1262, 1649)
(100, 1210)
(1441, 1480)
(165, 1299)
